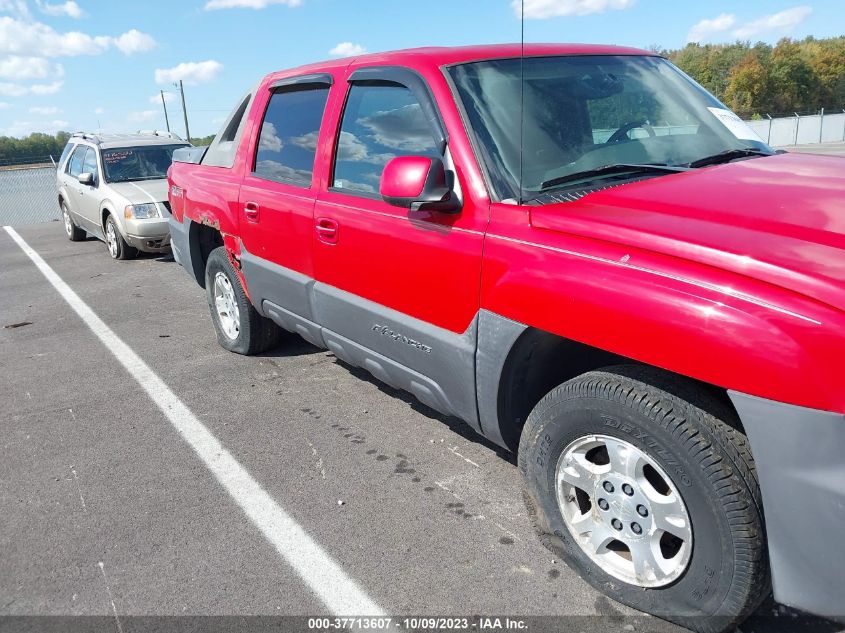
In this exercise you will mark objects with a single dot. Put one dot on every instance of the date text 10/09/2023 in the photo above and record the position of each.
(418, 623)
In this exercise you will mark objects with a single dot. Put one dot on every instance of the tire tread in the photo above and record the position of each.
(710, 432)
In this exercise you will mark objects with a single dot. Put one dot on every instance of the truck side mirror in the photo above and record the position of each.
(419, 183)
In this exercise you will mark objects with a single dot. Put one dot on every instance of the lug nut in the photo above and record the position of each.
(636, 529)
(641, 510)
(608, 486)
(603, 504)
(628, 490)
(617, 524)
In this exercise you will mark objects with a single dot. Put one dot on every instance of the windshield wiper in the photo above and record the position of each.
(727, 156)
(609, 170)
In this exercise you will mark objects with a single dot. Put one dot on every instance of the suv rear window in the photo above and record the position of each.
(287, 144)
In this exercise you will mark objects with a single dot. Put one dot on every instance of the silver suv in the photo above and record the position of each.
(115, 188)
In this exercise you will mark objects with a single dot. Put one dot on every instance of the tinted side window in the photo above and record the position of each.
(288, 142)
(65, 153)
(74, 167)
(89, 164)
(380, 121)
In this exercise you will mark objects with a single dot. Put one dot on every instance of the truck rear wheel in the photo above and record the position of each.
(239, 327)
(640, 483)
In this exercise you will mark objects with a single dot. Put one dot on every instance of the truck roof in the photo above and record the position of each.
(445, 55)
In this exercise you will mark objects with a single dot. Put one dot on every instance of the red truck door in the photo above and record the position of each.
(277, 199)
(397, 291)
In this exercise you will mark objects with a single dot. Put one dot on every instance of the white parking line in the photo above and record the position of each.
(340, 593)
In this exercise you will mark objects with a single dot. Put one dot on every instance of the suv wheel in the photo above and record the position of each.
(646, 489)
(118, 248)
(239, 327)
(74, 233)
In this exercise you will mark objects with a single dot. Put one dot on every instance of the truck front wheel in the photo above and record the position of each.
(239, 327)
(640, 483)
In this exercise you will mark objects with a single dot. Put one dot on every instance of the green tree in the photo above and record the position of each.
(748, 86)
(795, 85)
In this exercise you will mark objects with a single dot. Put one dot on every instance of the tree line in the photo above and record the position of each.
(758, 79)
(40, 147)
(37, 147)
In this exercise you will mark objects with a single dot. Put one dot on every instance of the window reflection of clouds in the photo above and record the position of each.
(272, 169)
(350, 148)
(379, 123)
(306, 141)
(289, 133)
(269, 140)
(403, 128)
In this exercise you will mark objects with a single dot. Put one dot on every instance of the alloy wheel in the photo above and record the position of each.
(226, 305)
(623, 511)
(111, 239)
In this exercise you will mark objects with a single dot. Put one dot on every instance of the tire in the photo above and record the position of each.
(718, 570)
(245, 331)
(73, 232)
(118, 248)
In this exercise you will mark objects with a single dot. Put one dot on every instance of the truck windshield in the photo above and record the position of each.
(589, 115)
(124, 164)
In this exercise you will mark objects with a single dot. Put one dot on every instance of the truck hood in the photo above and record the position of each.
(142, 190)
(778, 219)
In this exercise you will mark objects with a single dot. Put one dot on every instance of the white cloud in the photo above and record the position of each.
(13, 90)
(133, 41)
(69, 8)
(21, 68)
(20, 129)
(19, 90)
(542, 9)
(702, 30)
(142, 116)
(347, 49)
(99, 110)
(780, 22)
(4, 105)
(15, 7)
(46, 89)
(18, 37)
(189, 72)
(46, 110)
(168, 97)
(247, 4)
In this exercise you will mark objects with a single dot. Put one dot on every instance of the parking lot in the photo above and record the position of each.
(110, 508)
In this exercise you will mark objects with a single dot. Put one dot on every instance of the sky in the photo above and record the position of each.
(88, 65)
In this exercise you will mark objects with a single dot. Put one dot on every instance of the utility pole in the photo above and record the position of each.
(164, 105)
(184, 111)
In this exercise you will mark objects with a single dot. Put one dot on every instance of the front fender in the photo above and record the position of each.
(717, 327)
(115, 207)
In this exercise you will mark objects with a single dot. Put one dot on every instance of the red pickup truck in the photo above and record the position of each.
(587, 258)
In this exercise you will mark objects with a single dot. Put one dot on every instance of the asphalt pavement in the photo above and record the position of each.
(106, 510)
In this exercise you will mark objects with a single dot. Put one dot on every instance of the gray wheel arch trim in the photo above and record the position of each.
(181, 247)
(496, 338)
(798, 453)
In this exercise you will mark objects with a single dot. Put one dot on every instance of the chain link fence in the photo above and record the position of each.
(28, 195)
